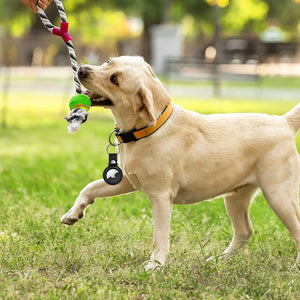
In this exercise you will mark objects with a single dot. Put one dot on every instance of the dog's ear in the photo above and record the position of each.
(150, 70)
(145, 105)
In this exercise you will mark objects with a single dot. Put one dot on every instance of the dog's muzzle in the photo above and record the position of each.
(83, 72)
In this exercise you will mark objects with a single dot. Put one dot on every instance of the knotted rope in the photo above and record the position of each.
(77, 116)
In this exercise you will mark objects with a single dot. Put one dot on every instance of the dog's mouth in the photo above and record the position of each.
(98, 100)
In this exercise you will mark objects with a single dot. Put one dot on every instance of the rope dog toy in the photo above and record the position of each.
(79, 104)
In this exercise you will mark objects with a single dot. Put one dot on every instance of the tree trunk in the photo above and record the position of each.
(146, 43)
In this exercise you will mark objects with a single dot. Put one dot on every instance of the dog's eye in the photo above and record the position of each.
(108, 61)
(114, 79)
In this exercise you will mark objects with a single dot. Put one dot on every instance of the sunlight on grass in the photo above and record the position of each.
(212, 105)
(25, 109)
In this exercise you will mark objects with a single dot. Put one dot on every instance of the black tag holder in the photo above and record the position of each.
(112, 175)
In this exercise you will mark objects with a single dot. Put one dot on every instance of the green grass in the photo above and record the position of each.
(42, 169)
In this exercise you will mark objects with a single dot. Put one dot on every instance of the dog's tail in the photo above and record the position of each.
(293, 118)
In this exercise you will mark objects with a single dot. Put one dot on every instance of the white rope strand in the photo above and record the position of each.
(49, 26)
(61, 10)
(45, 19)
(74, 66)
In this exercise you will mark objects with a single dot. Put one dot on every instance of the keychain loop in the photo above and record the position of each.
(110, 145)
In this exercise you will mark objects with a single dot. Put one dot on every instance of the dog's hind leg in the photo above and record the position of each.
(280, 186)
(284, 202)
(237, 205)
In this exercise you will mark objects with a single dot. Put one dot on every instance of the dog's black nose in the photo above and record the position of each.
(83, 72)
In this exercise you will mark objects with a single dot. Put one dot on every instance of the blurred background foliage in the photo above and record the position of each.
(238, 16)
(103, 23)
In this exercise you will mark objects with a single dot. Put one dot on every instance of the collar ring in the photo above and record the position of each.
(117, 147)
(111, 143)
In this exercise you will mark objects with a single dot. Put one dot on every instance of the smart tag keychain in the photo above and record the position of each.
(112, 175)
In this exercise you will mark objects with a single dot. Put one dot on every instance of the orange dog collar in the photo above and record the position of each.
(137, 134)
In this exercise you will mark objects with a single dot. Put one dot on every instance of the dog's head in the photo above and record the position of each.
(127, 86)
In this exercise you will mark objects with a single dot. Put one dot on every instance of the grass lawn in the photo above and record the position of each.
(43, 168)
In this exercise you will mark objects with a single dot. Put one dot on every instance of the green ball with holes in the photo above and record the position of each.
(80, 101)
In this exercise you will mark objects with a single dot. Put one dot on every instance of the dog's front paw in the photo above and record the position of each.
(70, 218)
(153, 265)
(217, 258)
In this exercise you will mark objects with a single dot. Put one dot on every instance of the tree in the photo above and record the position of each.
(151, 12)
(15, 18)
(95, 17)
(246, 15)
(287, 14)
(236, 15)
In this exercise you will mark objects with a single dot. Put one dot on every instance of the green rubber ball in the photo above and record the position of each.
(80, 101)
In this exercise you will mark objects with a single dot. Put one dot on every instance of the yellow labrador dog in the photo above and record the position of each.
(177, 156)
